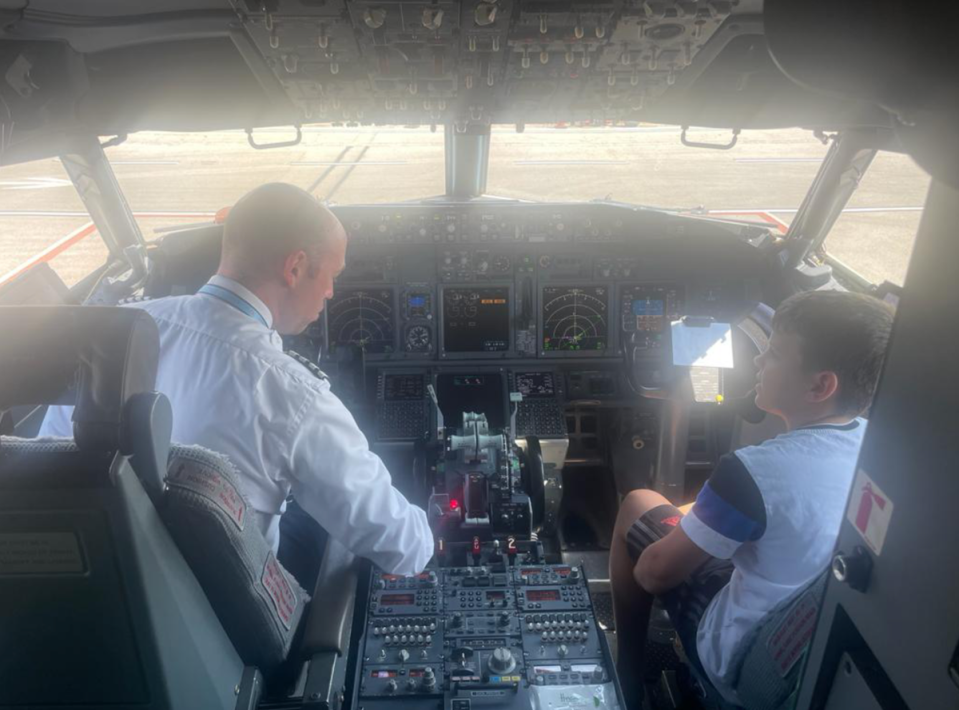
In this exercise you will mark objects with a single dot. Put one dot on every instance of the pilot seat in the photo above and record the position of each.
(131, 571)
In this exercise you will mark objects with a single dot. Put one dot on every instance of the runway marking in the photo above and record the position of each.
(42, 213)
(570, 162)
(346, 165)
(144, 162)
(329, 169)
(35, 183)
(346, 175)
(794, 210)
(777, 160)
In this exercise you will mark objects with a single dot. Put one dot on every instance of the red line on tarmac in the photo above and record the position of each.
(54, 250)
(78, 235)
(764, 216)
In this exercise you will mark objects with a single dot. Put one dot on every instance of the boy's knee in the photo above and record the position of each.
(634, 505)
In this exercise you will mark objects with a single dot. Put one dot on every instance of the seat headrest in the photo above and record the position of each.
(111, 354)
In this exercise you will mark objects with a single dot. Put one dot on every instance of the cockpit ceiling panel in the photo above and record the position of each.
(244, 63)
(483, 61)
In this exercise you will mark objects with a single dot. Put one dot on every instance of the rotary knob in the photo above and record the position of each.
(403, 655)
(501, 661)
(429, 679)
(504, 617)
(391, 686)
(457, 620)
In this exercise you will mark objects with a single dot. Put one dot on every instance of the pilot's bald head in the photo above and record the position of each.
(271, 222)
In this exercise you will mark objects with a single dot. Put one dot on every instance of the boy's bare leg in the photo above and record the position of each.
(631, 603)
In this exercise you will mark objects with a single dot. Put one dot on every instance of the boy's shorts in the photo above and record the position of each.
(685, 604)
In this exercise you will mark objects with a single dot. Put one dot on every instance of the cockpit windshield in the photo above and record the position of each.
(170, 178)
(175, 180)
(647, 164)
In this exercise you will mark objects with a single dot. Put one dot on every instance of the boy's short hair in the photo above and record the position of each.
(845, 333)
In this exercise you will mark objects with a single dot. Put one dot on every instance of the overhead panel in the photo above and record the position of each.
(372, 61)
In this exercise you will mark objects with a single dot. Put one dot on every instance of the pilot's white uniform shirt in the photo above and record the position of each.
(234, 391)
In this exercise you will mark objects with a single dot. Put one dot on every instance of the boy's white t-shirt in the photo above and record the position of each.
(803, 477)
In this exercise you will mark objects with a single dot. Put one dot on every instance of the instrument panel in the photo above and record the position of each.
(502, 282)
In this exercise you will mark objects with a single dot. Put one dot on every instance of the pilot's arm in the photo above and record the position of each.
(728, 513)
(347, 489)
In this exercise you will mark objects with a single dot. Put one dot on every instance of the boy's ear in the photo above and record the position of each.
(825, 385)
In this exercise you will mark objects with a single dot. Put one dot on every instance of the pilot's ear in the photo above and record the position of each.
(295, 267)
(825, 384)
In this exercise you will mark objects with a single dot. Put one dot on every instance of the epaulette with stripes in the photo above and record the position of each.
(308, 364)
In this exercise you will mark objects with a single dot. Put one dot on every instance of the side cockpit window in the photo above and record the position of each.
(43, 220)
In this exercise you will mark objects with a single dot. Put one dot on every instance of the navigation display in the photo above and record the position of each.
(574, 318)
(535, 385)
(400, 388)
(362, 318)
(476, 320)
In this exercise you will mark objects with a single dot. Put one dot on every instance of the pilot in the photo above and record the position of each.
(234, 390)
(765, 524)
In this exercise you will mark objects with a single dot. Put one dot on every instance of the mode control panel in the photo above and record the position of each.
(481, 635)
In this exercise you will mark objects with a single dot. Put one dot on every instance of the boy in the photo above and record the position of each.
(765, 524)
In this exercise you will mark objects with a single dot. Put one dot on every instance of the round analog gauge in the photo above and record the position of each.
(418, 339)
(574, 318)
(362, 318)
(501, 264)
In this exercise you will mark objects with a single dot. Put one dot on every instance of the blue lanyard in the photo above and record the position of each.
(234, 300)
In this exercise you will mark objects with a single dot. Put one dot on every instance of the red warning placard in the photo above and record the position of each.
(279, 589)
(205, 481)
(870, 511)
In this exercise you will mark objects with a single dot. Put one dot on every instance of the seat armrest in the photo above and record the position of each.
(328, 622)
